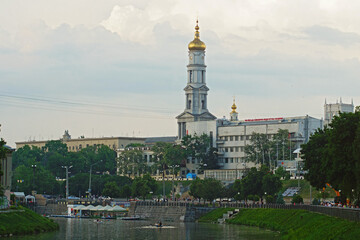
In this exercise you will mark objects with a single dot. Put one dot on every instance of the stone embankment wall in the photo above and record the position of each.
(51, 209)
(170, 211)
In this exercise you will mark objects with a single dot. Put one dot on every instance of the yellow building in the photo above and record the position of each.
(75, 145)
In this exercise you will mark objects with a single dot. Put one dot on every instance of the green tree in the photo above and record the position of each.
(332, 156)
(264, 150)
(27, 155)
(111, 189)
(196, 188)
(282, 173)
(297, 199)
(132, 162)
(125, 191)
(212, 189)
(142, 186)
(280, 199)
(199, 147)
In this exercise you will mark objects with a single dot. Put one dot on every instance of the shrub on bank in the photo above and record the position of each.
(26, 222)
(214, 215)
(298, 224)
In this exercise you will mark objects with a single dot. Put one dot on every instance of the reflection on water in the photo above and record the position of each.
(117, 229)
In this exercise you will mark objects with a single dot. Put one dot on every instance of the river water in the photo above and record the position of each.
(118, 229)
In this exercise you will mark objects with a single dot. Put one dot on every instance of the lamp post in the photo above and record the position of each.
(173, 168)
(67, 180)
(34, 168)
(89, 190)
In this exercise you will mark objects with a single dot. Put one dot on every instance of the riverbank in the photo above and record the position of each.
(24, 221)
(298, 224)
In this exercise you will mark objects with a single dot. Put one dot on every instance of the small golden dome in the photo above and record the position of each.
(197, 44)
(233, 107)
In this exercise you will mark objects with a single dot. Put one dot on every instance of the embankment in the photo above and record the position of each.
(170, 211)
(298, 224)
(23, 221)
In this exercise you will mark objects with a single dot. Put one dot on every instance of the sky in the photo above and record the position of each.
(118, 67)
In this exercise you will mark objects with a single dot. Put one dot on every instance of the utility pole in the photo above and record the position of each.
(89, 190)
(67, 180)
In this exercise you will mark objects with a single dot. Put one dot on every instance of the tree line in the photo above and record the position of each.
(332, 156)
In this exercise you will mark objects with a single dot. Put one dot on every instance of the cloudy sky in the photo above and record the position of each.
(118, 67)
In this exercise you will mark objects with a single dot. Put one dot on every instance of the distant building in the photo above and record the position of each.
(75, 145)
(333, 109)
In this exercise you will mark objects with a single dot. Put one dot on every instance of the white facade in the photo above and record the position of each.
(333, 109)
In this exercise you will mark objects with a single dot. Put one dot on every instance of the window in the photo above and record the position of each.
(231, 138)
(202, 76)
(242, 138)
(231, 160)
(226, 160)
(237, 149)
(236, 138)
(80, 146)
(193, 160)
(231, 149)
(187, 160)
(236, 160)
(248, 137)
(202, 104)
(190, 76)
(150, 158)
(226, 149)
(87, 145)
(226, 138)
(241, 149)
(189, 104)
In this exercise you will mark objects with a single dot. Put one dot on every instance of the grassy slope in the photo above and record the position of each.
(298, 224)
(214, 215)
(27, 222)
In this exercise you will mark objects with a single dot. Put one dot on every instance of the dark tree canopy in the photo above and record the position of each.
(332, 156)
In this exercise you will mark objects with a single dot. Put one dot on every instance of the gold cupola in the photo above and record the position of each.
(197, 44)
(233, 107)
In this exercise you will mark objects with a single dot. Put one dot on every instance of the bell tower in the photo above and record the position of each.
(196, 89)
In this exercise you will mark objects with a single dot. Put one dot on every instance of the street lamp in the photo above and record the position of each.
(67, 180)
(34, 168)
(173, 168)
(89, 190)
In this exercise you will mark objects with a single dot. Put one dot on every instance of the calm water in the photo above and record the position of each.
(118, 229)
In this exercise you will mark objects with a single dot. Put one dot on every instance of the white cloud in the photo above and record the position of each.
(277, 57)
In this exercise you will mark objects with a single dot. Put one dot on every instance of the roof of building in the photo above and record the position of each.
(153, 140)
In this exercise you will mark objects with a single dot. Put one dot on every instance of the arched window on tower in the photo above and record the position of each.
(189, 104)
(190, 76)
(203, 104)
(202, 76)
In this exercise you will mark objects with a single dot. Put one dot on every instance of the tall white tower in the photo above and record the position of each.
(196, 89)
(333, 109)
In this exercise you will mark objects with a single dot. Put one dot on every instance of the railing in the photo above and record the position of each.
(352, 214)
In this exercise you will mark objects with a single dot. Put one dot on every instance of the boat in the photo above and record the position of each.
(131, 218)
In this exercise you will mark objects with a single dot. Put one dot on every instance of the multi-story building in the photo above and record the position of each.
(333, 109)
(77, 144)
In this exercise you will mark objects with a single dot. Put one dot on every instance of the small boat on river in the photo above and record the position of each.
(130, 218)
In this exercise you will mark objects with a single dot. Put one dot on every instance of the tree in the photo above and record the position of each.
(27, 155)
(280, 199)
(111, 189)
(199, 147)
(297, 199)
(212, 189)
(196, 188)
(125, 191)
(142, 186)
(282, 173)
(132, 162)
(332, 156)
(258, 182)
(263, 150)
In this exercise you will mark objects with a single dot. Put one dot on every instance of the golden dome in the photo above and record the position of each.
(197, 44)
(233, 107)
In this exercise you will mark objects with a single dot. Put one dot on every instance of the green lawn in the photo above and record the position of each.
(214, 215)
(27, 222)
(298, 224)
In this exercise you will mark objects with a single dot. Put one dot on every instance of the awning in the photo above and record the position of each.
(118, 209)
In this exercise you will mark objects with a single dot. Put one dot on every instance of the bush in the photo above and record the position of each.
(269, 199)
(297, 199)
(315, 201)
(280, 199)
